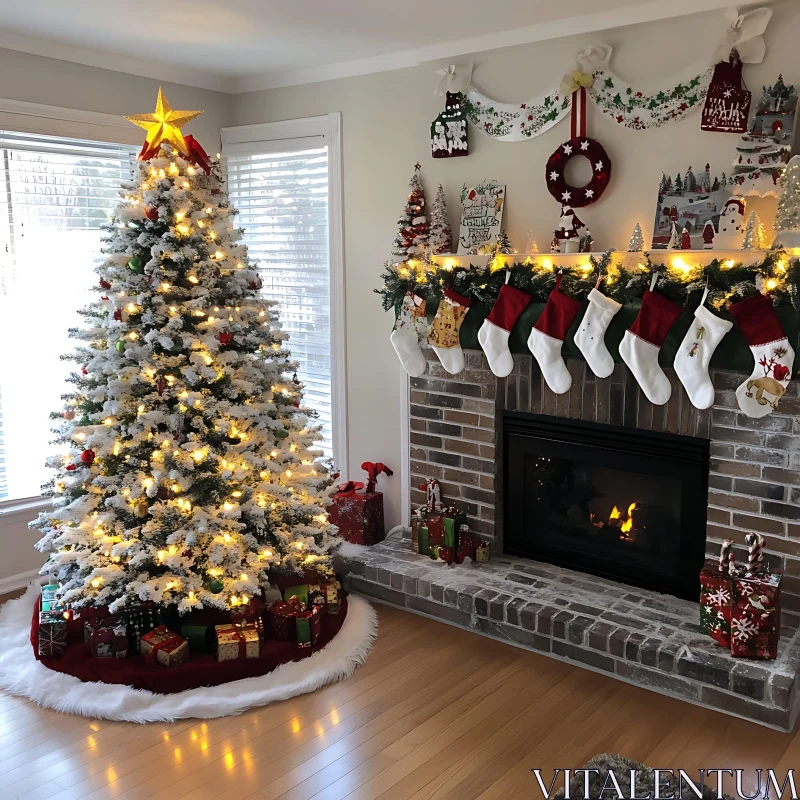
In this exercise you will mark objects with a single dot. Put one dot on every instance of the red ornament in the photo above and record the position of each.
(578, 196)
(117, 315)
(161, 385)
(71, 467)
(83, 370)
(87, 456)
(254, 284)
(68, 415)
(225, 338)
(151, 212)
(104, 284)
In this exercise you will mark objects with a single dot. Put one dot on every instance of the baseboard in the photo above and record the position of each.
(20, 581)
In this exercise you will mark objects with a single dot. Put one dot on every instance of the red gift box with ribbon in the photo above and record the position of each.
(357, 508)
(237, 641)
(282, 618)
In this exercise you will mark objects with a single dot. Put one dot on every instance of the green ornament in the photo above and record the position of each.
(135, 265)
(121, 346)
(280, 433)
(215, 586)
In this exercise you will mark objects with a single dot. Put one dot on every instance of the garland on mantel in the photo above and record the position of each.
(727, 283)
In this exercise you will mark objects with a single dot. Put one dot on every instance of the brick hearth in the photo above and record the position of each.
(643, 637)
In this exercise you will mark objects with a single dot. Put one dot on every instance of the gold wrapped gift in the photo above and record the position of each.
(238, 640)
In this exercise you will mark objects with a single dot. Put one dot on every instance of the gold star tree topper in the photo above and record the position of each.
(164, 125)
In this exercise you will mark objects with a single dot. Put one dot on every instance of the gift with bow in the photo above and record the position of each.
(163, 646)
(237, 641)
(357, 508)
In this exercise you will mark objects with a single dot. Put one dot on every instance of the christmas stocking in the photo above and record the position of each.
(443, 337)
(699, 344)
(774, 356)
(547, 336)
(590, 337)
(405, 339)
(642, 342)
(496, 328)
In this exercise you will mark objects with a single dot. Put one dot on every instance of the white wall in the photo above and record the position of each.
(35, 79)
(386, 118)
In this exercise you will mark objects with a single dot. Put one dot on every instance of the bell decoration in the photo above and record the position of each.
(87, 456)
(135, 265)
(151, 212)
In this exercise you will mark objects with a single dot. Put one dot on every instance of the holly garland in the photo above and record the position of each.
(641, 111)
(516, 122)
(726, 282)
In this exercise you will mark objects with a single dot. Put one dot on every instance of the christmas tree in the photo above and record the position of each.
(412, 227)
(755, 237)
(678, 185)
(636, 244)
(502, 243)
(188, 466)
(441, 238)
(787, 217)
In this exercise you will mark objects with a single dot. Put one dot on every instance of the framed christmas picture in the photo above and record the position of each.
(481, 217)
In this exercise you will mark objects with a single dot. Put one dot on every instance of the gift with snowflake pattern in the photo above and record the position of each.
(755, 622)
(715, 601)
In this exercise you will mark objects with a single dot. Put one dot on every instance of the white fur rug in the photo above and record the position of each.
(21, 674)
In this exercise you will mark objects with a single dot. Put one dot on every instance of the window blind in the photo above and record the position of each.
(55, 193)
(281, 192)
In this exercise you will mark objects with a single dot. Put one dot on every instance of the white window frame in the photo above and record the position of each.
(247, 139)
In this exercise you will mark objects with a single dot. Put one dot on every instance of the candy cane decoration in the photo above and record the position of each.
(755, 556)
(725, 555)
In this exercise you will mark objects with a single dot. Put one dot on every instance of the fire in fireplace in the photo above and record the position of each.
(617, 502)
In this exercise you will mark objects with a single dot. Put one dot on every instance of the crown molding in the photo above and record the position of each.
(650, 11)
(132, 66)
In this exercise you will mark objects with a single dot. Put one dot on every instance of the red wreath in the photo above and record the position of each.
(578, 196)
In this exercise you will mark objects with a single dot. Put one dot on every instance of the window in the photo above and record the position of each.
(55, 193)
(283, 179)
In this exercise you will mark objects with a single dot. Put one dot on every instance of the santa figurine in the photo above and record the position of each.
(568, 232)
(730, 232)
(709, 234)
(686, 240)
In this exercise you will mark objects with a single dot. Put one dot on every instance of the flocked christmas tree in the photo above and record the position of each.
(787, 217)
(502, 244)
(755, 237)
(188, 465)
(412, 227)
(440, 239)
(636, 243)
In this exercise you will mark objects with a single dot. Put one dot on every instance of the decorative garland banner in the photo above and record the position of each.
(516, 122)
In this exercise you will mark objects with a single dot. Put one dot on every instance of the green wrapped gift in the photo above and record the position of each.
(424, 547)
(451, 526)
(300, 592)
(308, 626)
(200, 637)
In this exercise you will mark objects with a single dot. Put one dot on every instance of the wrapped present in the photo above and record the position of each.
(332, 590)
(49, 602)
(358, 514)
(202, 638)
(417, 522)
(250, 614)
(443, 527)
(466, 545)
(52, 639)
(317, 598)
(110, 639)
(424, 541)
(300, 592)
(282, 616)
(165, 647)
(237, 642)
(482, 552)
(715, 596)
(141, 619)
(309, 626)
(756, 606)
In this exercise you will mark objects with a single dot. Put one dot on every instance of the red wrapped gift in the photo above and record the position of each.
(282, 616)
(250, 614)
(164, 647)
(110, 639)
(358, 514)
(443, 527)
(715, 596)
(466, 545)
(756, 610)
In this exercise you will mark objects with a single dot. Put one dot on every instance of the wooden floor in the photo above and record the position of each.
(435, 712)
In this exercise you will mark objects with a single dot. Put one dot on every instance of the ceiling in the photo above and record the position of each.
(241, 45)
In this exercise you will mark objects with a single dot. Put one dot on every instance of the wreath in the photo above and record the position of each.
(578, 196)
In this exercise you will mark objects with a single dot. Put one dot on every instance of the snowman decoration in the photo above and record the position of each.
(731, 230)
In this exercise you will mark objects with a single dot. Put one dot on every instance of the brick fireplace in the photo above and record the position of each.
(636, 635)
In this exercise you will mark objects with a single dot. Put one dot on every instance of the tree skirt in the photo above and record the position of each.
(21, 674)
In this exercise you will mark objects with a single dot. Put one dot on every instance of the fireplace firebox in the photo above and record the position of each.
(620, 503)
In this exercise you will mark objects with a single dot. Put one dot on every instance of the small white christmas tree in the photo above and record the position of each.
(755, 237)
(440, 238)
(787, 217)
(636, 243)
(188, 466)
(674, 239)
